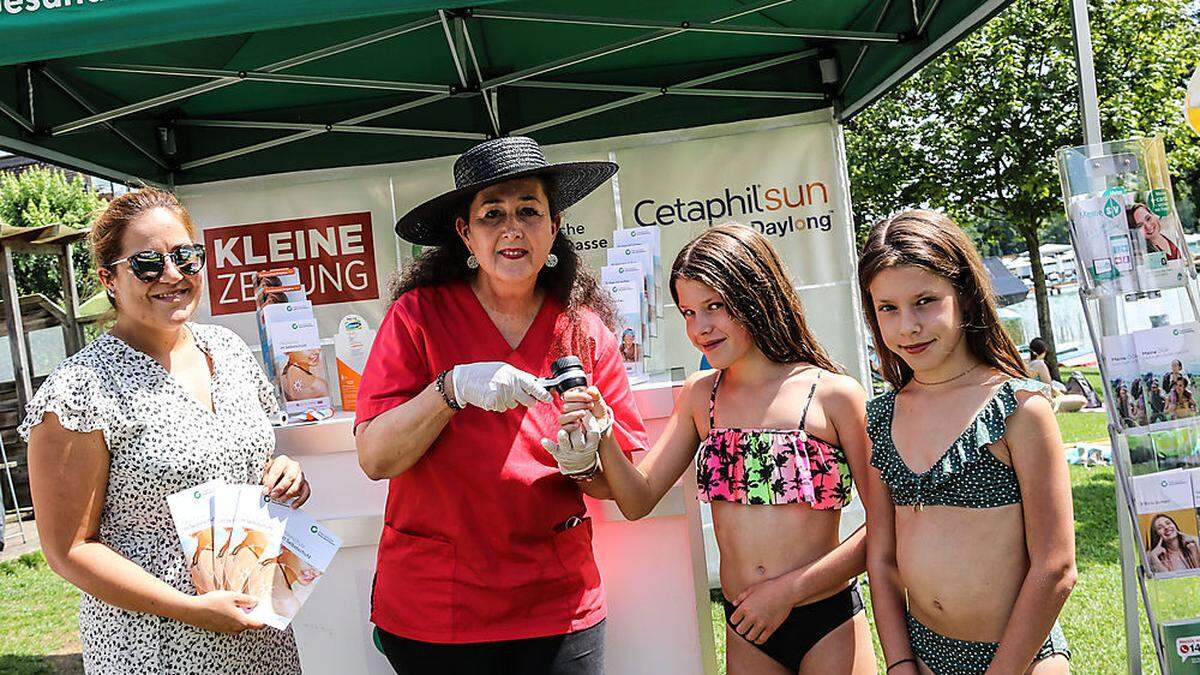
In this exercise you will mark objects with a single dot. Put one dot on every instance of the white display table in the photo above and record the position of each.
(653, 569)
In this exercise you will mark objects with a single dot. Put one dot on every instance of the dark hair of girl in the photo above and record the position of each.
(932, 241)
(746, 271)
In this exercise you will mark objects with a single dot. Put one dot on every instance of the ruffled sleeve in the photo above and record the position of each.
(74, 393)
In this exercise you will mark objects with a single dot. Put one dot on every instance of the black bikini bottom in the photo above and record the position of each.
(806, 625)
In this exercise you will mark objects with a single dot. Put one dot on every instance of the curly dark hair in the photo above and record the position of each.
(570, 281)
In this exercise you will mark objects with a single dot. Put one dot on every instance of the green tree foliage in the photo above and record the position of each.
(975, 132)
(42, 196)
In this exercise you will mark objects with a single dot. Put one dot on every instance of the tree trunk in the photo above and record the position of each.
(1041, 295)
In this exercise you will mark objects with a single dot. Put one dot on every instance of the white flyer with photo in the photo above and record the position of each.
(192, 512)
(640, 254)
(253, 544)
(306, 550)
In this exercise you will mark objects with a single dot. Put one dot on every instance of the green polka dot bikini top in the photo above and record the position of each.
(968, 474)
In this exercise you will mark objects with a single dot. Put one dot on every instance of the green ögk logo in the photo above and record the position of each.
(1111, 208)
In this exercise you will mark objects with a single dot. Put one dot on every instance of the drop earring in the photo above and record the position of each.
(472, 262)
(551, 260)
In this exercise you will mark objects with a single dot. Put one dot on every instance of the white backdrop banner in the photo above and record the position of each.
(784, 177)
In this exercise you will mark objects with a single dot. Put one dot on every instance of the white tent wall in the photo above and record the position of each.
(655, 569)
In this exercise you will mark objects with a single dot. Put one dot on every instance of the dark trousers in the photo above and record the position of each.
(579, 653)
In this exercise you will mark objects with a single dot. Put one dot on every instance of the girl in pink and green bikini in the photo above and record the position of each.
(779, 433)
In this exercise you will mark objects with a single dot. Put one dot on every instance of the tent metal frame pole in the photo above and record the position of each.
(689, 84)
(459, 35)
(259, 76)
(333, 128)
(862, 52)
(458, 67)
(688, 26)
(1089, 108)
(489, 100)
(86, 105)
(16, 117)
(614, 47)
(353, 121)
(292, 62)
(634, 89)
(928, 16)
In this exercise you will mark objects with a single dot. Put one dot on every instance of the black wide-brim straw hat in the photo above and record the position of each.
(497, 161)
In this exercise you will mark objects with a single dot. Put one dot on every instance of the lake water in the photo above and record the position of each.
(1070, 327)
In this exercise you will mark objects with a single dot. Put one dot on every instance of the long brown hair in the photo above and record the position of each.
(932, 241)
(742, 266)
(1189, 554)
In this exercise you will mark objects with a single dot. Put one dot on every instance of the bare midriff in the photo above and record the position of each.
(962, 567)
(760, 542)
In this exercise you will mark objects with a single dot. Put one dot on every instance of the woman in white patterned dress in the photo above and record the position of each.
(154, 406)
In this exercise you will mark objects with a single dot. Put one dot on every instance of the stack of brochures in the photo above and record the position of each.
(1154, 374)
(235, 538)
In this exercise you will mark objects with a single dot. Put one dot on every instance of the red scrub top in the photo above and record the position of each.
(473, 548)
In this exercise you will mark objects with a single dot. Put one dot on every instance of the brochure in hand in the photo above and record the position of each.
(235, 538)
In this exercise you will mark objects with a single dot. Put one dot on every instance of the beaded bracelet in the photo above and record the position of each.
(440, 383)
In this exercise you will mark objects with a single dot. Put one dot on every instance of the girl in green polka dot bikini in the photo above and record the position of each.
(970, 537)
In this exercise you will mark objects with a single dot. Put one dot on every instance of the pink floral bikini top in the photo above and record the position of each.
(771, 466)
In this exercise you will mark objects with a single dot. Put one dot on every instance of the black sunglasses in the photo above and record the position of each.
(148, 266)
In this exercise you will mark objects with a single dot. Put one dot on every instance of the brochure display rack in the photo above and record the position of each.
(1135, 270)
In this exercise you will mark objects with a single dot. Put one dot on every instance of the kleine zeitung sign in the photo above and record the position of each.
(334, 254)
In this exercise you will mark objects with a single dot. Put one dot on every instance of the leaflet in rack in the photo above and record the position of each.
(1128, 242)
(1154, 375)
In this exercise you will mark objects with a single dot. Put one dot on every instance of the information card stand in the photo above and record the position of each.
(1134, 266)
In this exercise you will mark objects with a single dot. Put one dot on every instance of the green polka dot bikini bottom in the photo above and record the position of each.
(948, 656)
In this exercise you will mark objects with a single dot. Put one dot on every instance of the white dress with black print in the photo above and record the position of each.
(161, 440)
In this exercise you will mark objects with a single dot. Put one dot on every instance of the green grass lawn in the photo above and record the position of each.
(38, 609)
(1092, 618)
(38, 612)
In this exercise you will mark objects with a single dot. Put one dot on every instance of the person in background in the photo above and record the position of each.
(1170, 549)
(485, 562)
(156, 405)
(1156, 403)
(1039, 371)
(970, 532)
(779, 432)
(1180, 402)
(1139, 216)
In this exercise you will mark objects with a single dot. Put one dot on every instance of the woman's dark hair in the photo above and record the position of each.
(1037, 347)
(745, 270)
(570, 282)
(933, 242)
(1189, 556)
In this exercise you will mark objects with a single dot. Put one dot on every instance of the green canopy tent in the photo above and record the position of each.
(188, 91)
(176, 92)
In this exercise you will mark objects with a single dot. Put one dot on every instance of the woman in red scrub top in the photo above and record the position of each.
(485, 562)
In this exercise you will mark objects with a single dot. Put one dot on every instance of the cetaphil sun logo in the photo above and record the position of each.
(295, 326)
(1111, 208)
(313, 529)
(196, 495)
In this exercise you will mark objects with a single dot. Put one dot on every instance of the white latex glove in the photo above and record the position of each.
(496, 386)
(577, 451)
